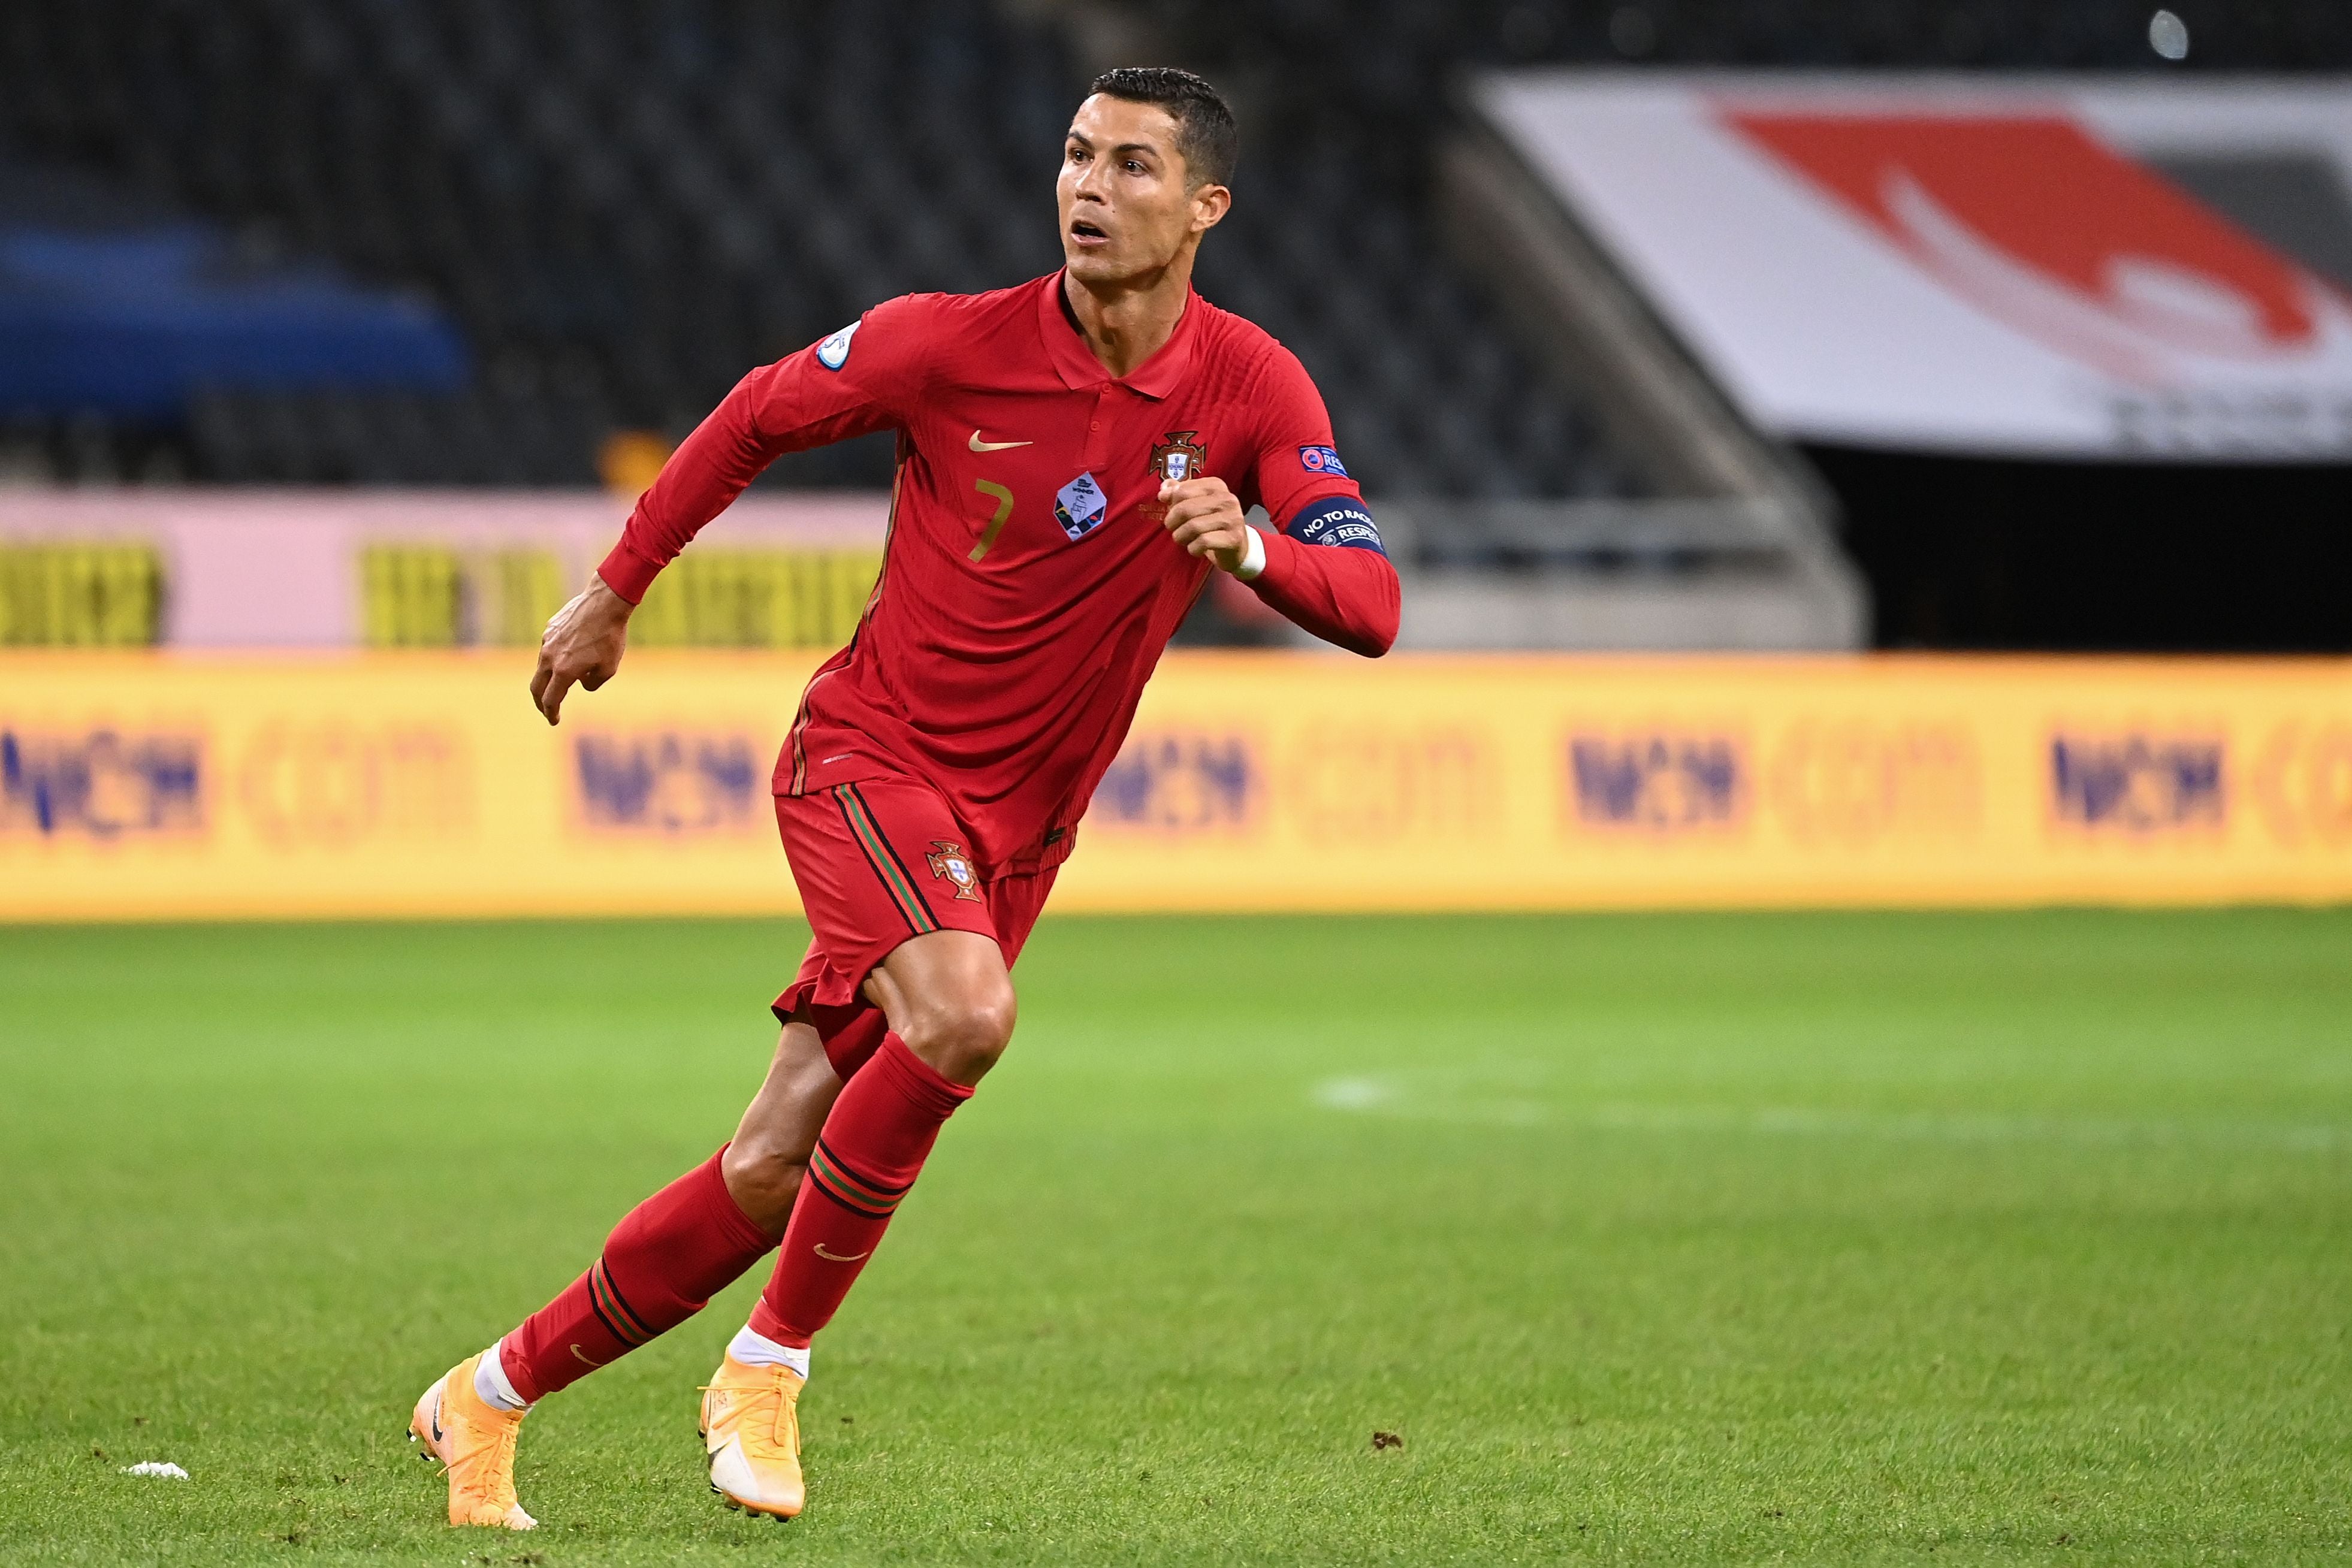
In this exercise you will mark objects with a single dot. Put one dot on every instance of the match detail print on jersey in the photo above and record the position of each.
(1080, 505)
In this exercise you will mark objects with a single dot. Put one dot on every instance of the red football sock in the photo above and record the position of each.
(668, 1257)
(872, 1148)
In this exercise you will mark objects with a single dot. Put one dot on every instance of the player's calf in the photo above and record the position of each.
(764, 1165)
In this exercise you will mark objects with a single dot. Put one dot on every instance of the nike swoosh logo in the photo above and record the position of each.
(835, 1257)
(582, 1355)
(980, 446)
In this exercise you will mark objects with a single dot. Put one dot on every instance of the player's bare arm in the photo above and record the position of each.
(582, 645)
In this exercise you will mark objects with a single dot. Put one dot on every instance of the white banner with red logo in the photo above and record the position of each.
(1972, 264)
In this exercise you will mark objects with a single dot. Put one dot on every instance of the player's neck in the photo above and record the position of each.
(1127, 322)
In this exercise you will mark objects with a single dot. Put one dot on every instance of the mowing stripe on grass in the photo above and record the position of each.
(1387, 1097)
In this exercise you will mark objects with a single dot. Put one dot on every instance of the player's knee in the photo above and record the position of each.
(963, 1035)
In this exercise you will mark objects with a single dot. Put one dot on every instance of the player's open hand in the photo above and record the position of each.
(582, 644)
(1206, 518)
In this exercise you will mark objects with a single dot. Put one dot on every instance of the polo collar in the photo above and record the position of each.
(1080, 370)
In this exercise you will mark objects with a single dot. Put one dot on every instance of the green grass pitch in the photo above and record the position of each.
(1920, 1239)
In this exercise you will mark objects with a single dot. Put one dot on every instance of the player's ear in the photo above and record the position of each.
(1210, 205)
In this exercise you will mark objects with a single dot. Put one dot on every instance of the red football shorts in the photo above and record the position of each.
(879, 861)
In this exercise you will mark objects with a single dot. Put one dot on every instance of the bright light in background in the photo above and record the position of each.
(2167, 35)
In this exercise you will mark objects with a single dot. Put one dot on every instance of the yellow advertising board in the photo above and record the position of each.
(183, 786)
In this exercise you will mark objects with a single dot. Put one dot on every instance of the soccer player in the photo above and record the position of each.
(1075, 456)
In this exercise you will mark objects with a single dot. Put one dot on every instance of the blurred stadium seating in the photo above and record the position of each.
(626, 205)
(623, 204)
(1392, 53)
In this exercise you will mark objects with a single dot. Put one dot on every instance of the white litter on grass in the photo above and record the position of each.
(156, 1467)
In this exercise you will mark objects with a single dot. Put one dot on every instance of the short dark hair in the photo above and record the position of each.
(1206, 138)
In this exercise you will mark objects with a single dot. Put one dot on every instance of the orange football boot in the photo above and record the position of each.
(476, 1441)
(752, 1430)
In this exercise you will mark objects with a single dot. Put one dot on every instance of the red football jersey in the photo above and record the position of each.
(1028, 584)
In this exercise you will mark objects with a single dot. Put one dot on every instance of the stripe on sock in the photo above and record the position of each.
(873, 1199)
(606, 1297)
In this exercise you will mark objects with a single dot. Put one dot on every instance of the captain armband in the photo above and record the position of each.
(1336, 520)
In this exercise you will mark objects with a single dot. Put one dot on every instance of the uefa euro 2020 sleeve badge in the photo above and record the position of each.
(1176, 455)
(950, 863)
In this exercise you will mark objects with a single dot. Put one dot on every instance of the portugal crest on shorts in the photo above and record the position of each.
(1176, 455)
(950, 863)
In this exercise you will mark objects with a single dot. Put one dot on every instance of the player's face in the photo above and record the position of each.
(1127, 210)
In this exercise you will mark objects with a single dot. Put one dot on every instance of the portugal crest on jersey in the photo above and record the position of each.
(950, 864)
(1178, 456)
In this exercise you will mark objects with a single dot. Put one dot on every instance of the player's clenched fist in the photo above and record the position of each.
(583, 643)
(1206, 518)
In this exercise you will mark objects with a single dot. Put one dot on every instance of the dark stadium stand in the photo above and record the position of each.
(626, 205)
(1375, 78)
(1391, 57)
(623, 204)
(1958, 553)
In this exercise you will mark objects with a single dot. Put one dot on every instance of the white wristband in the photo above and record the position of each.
(1252, 555)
